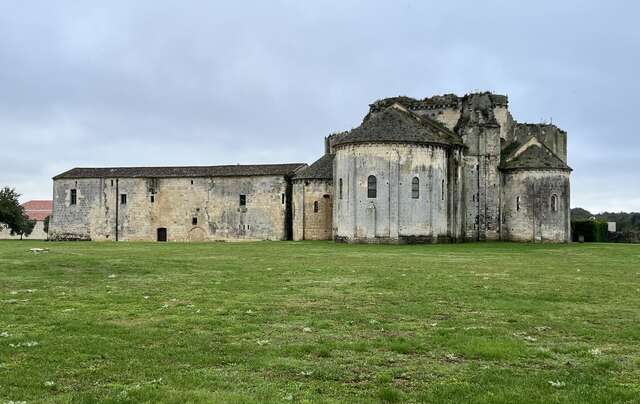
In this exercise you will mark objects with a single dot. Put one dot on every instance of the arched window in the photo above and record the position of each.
(316, 207)
(518, 203)
(554, 203)
(340, 187)
(372, 187)
(415, 188)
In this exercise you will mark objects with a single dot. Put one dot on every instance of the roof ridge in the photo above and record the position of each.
(227, 170)
(518, 158)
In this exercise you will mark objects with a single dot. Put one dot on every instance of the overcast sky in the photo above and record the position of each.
(117, 83)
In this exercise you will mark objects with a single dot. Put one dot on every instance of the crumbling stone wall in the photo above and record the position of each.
(191, 209)
(527, 210)
(309, 224)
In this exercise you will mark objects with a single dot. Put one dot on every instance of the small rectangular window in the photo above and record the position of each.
(340, 188)
(153, 199)
(111, 182)
(243, 200)
(74, 197)
(123, 199)
(194, 221)
(283, 199)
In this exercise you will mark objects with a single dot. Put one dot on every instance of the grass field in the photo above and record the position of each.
(319, 322)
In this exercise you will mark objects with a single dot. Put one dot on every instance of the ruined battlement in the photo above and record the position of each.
(451, 101)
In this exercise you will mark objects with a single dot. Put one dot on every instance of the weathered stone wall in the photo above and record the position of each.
(79, 221)
(481, 182)
(37, 233)
(482, 120)
(307, 223)
(535, 220)
(394, 215)
(212, 203)
(446, 115)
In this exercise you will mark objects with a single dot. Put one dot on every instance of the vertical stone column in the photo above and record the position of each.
(394, 195)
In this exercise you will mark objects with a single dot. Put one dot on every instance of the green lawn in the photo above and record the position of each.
(319, 322)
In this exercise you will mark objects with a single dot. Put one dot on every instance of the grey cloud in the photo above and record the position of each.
(159, 82)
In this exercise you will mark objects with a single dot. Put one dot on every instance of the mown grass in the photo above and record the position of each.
(319, 322)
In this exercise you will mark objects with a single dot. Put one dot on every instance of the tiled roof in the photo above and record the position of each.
(176, 172)
(533, 155)
(396, 124)
(38, 210)
(322, 169)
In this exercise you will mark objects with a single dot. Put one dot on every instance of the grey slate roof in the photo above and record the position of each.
(321, 169)
(536, 156)
(397, 125)
(176, 172)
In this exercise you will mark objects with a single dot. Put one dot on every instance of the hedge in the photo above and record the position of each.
(592, 230)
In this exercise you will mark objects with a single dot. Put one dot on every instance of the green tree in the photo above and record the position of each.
(26, 227)
(11, 212)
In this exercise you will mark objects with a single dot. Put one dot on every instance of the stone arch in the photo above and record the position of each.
(196, 234)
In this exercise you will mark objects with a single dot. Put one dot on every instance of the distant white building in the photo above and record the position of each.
(35, 210)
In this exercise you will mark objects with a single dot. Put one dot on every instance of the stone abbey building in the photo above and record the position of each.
(440, 169)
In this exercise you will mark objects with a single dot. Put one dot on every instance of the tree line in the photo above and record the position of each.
(625, 222)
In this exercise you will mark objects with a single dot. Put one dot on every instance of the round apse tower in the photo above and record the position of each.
(396, 180)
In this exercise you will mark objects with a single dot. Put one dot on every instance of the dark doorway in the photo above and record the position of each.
(162, 234)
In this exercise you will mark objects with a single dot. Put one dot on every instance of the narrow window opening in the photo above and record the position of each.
(340, 187)
(123, 199)
(283, 199)
(153, 199)
(111, 182)
(74, 197)
(191, 182)
(442, 190)
(316, 207)
(372, 190)
(194, 221)
(518, 204)
(554, 203)
(243, 200)
(415, 188)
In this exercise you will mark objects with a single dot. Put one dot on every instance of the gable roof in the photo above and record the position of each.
(321, 169)
(38, 210)
(396, 124)
(533, 155)
(189, 171)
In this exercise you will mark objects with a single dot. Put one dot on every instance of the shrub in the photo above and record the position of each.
(591, 230)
